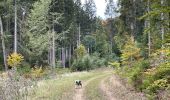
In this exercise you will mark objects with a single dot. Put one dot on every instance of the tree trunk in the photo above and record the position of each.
(53, 49)
(15, 31)
(69, 56)
(162, 27)
(149, 33)
(162, 31)
(79, 41)
(66, 53)
(63, 57)
(88, 50)
(48, 57)
(3, 45)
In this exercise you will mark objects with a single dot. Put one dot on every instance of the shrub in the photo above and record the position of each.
(87, 62)
(162, 71)
(153, 75)
(114, 64)
(14, 59)
(97, 61)
(157, 85)
(24, 68)
(134, 73)
(37, 72)
(77, 65)
(101, 62)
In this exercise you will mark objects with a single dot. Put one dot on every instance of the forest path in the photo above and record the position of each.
(79, 92)
(100, 84)
(105, 89)
(114, 89)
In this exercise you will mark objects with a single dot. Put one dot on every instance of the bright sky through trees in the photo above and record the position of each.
(101, 6)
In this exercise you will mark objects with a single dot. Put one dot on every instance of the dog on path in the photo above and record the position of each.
(78, 83)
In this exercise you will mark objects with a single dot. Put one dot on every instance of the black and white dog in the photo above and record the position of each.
(78, 83)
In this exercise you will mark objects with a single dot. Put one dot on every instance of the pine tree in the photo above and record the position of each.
(110, 9)
(40, 31)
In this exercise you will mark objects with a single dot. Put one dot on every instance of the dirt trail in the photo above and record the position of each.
(105, 89)
(80, 91)
(113, 89)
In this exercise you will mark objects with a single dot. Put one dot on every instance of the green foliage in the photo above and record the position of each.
(89, 42)
(146, 78)
(102, 45)
(160, 71)
(84, 63)
(115, 64)
(98, 61)
(88, 62)
(38, 31)
(157, 85)
(77, 65)
(24, 68)
(80, 51)
(130, 52)
(37, 27)
(134, 73)
(153, 79)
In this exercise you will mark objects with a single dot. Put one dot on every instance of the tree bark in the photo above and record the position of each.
(63, 57)
(3, 45)
(162, 32)
(53, 49)
(79, 41)
(15, 31)
(69, 56)
(162, 27)
(149, 33)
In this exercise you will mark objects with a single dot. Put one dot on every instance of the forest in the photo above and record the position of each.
(47, 44)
